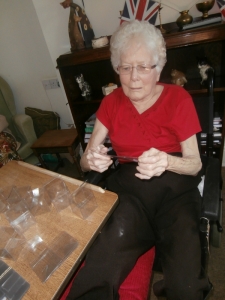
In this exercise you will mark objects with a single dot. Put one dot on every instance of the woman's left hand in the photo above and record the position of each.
(151, 163)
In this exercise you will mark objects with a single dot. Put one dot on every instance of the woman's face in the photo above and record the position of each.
(138, 87)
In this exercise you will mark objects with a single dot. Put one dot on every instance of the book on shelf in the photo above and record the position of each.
(91, 120)
(215, 142)
(216, 134)
(217, 123)
(89, 126)
(89, 129)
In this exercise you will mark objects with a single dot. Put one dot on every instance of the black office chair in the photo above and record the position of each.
(211, 220)
(212, 201)
(211, 216)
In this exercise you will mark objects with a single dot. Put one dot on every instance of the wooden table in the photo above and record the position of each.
(52, 223)
(55, 142)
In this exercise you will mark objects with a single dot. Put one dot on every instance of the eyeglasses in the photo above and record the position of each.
(141, 69)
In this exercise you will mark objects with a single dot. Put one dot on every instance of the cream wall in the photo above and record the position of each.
(34, 33)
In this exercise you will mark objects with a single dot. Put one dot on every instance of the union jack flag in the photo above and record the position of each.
(146, 10)
(221, 4)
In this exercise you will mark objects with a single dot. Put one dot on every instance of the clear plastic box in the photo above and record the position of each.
(43, 259)
(83, 201)
(36, 202)
(33, 249)
(19, 217)
(14, 196)
(6, 191)
(23, 191)
(11, 243)
(2, 203)
(62, 201)
(55, 188)
(57, 193)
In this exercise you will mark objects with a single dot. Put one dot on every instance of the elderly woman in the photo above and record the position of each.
(156, 124)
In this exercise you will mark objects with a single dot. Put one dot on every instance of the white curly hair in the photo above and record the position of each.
(146, 34)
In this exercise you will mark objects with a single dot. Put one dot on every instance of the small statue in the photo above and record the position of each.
(79, 27)
(78, 42)
(84, 86)
(203, 66)
(178, 77)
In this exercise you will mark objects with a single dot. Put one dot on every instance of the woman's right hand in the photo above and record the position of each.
(97, 158)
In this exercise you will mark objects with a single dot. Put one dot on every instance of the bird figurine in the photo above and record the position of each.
(178, 77)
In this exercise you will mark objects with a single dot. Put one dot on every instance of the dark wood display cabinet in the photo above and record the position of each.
(183, 48)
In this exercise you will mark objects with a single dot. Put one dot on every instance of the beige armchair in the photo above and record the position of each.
(21, 125)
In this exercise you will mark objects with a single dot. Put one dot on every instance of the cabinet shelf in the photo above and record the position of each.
(85, 102)
(204, 91)
(96, 97)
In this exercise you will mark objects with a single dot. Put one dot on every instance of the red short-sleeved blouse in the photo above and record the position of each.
(171, 120)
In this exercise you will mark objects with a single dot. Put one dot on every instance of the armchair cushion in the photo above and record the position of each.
(8, 146)
(20, 126)
(3, 123)
(25, 125)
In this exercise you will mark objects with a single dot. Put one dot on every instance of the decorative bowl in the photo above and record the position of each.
(204, 7)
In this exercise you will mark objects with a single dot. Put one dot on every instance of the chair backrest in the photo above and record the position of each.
(204, 104)
(7, 95)
(8, 108)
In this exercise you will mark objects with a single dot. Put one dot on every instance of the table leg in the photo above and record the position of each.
(71, 152)
(40, 159)
(60, 161)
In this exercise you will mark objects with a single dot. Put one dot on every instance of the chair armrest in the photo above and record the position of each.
(212, 189)
(26, 127)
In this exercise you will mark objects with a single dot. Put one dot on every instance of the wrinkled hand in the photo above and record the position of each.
(97, 159)
(66, 3)
(151, 163)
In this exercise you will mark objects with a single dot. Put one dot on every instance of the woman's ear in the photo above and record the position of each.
(158, 77)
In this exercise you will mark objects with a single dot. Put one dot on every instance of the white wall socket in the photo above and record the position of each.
(49, 84)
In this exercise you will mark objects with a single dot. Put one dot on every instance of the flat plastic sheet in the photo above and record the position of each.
(12, 285)
(45, 259)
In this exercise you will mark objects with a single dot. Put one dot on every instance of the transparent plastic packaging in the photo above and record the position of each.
(45, 259)
(62, 201)
(2, 203)
(14, 196)
(57, 193)
(6, 191)
(19, 217)
(45, 264)
(83, 201)
(36, 202)
(11, 243)
(12, 285)
(56, 188)
(33, 249)
(23, 191)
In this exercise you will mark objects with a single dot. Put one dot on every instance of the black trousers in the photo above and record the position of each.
(163, 211)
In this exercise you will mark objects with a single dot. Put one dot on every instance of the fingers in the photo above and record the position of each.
(151, 163)
(98, 160)
(149, 174)
(102, 149)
